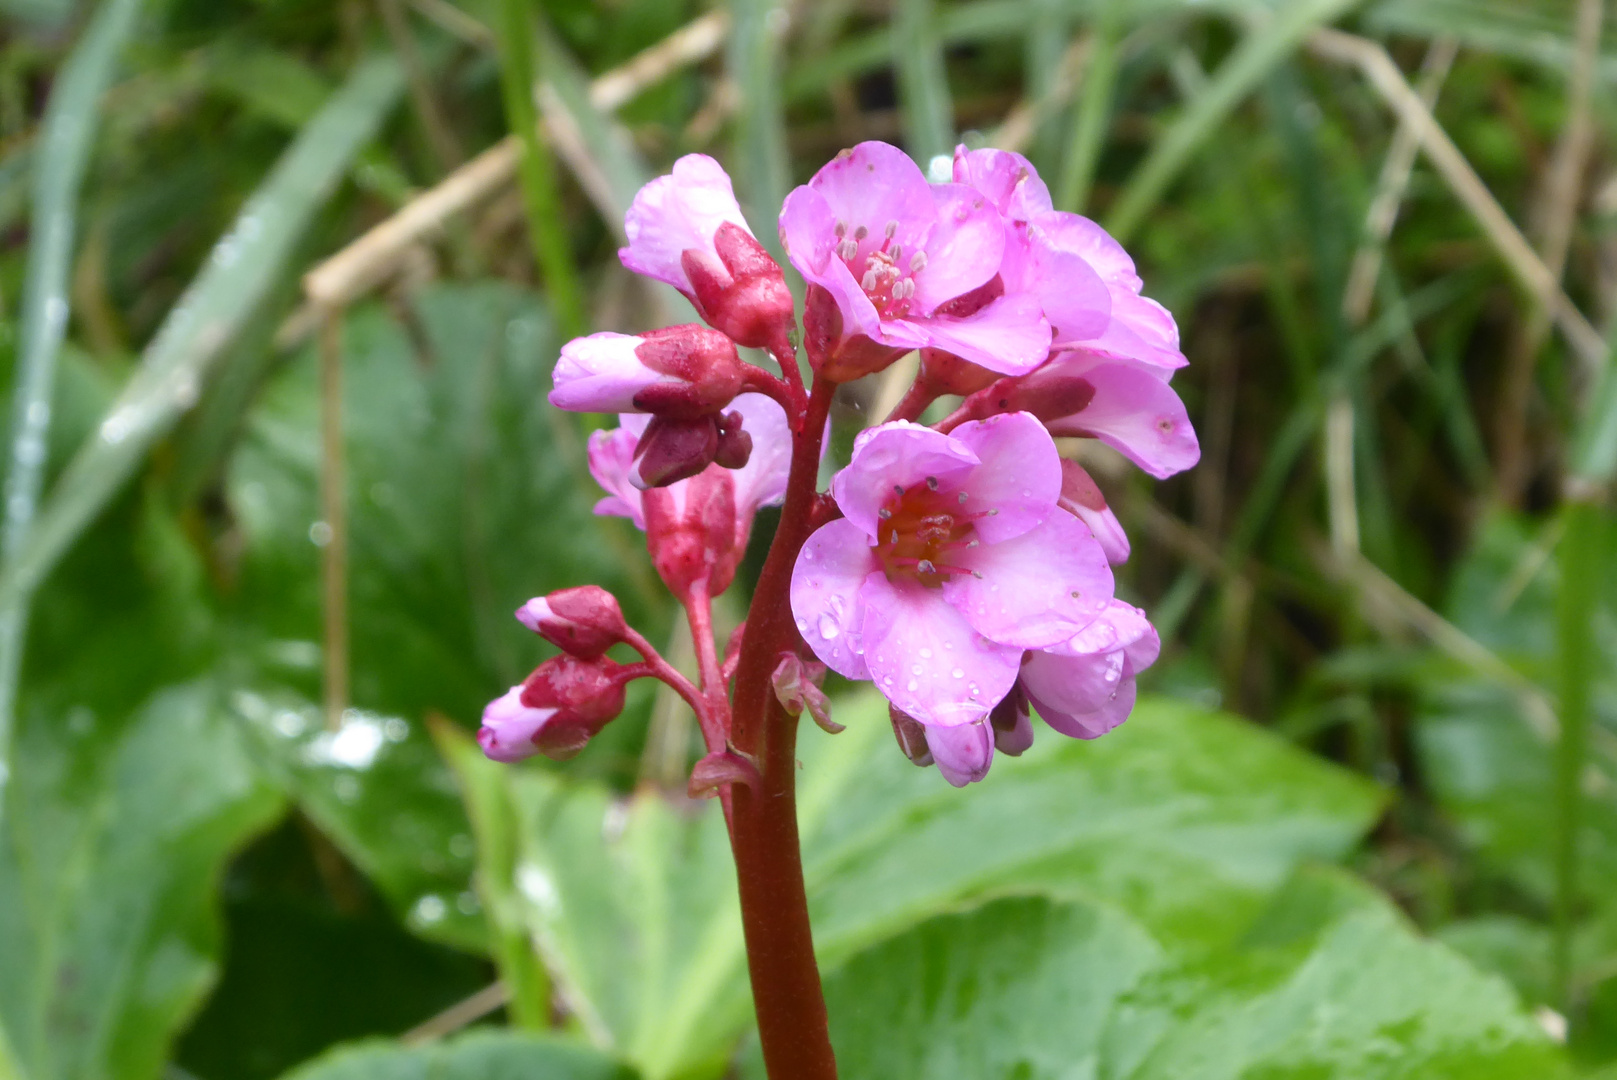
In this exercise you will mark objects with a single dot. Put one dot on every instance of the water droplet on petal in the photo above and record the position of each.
(959, 673)
(913, 684)
(828, 627)
(926, 654)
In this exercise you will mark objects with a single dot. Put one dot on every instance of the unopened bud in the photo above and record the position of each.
(833, 356)
(701, 372)
(583, 622)
(797, 686)
(742, 293)
(963, 752)
(727, 766)
(911, 736)
(672, 450)
(556, 710)
(735, 445)
(691, 533)
(1082, 498)
(1012, 724)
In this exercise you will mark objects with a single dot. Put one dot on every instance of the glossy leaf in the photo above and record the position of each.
(1188, 817)
(474, 1056)
(115, 833)
(1041, 990)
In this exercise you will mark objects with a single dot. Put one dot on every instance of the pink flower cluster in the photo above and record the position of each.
(963, 566)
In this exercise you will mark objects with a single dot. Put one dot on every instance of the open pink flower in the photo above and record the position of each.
(953, 558)
(708, 516)
(1084, 280)
(1084, 687)
(895, 264)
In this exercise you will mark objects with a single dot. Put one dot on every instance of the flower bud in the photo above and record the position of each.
(832, 355)
(678, 371)
(1012, 723)
(556, 710)
(1081, 498)
(797, 686)
(911, 736)
(735, 445)
(963, 752)
(691, 532)
(582, 622)
(740, 290)
(673, 450)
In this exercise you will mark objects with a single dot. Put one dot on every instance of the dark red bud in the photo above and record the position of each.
(797, 687)
(735, 445)
(1012, 723)
(1078, 489)
(672, 450)
(946, 373)
(585, 694)
(584, 621)
(911, 735)
(833, 356)
(692, 534)
(743, 293)
(704, 363)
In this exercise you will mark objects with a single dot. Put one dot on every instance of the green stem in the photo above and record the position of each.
(1092, 112)
(1580, 560)
(546, 225)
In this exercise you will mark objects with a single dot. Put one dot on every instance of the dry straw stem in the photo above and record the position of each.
(1016, 130)
(466, 1011)
(1496, 225)
(367, 262)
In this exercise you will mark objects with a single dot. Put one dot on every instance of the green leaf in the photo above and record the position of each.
(1187, 817)
(1039, 990)
(482, 1055)
(115, 831)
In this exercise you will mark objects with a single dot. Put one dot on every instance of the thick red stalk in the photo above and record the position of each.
(769, 866)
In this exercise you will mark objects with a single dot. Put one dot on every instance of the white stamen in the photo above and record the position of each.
(870, 279)
(917, 262)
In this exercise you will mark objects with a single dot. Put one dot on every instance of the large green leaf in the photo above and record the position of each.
(1188, 817)
(475, 1056)
(1040, 990)
(116, 828)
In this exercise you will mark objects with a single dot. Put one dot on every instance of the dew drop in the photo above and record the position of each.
(828, 627)
(915, 669)
(959, 673)
(926, 654)
(887, 680)
(913, 685)
(802, 626)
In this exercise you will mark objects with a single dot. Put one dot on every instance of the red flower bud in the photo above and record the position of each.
(583, 621)
(735, 445)
(691, 532)
(556, 710)
(911, 736)
(704, 372)
(672, 450)
(840, 359)
(745, 297)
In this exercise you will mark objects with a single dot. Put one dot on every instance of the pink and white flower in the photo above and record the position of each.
(895, 264)
(953, 558)
(679, 371)
(687, 230)
(556, 710)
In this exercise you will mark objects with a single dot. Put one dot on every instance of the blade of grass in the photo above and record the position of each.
(536, 171)
(760, 127)
(1576, 598)
(1048, 26)
(244, 265)
(63, 152)
(1093, 111)
(1247, 66)
(923, 83)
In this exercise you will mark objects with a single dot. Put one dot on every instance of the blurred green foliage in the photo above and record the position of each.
(1358, 878)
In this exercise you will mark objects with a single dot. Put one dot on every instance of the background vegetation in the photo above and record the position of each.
(1364, 824)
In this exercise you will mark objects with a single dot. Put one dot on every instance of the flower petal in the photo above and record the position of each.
(1019, 478)
(677, 213)
(827, 595)
(963, 247)
(807, 231)
(762, 480)
(1010, 335)
(510, 727)
(1008, 179)
(873, 184)
(1036, 589)
(899, 454)
(611, 459)
(1067, 690)
(963, 753)
(1134, 412)
(926, 659)
(601, 373)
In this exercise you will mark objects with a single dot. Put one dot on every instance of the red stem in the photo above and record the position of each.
(786, 992)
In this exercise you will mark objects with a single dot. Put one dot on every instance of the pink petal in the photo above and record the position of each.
(1019, 478)
(807, 231)
(827, 595)
(1009, 180)
(1107, 530)
(509, 727)
(1068, 689)
(873, 184)
(1076, 301)
(601, 373)
(762, 480)
(1140, 330)
(963, 753)
(1010, 335)
(1036, 589)
(1134, 412)
(1092, 725)
(611, 458)
(900, 454)
(1085, 238)
(963, 247)
(927, 660)
(676, 213)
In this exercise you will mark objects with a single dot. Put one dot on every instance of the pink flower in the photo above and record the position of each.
(584, 621)
(701, 524)
(1084, 687)
(953, 558)
(895, 264)
(686, 229)
(1064, 259)
(1087, 395)
(678, 371)
(556, 710)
